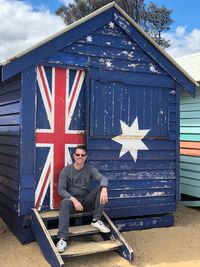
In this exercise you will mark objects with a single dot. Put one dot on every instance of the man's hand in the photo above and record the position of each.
(77, 205)
(104, 195)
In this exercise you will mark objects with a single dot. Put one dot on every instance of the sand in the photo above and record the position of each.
(163, 247)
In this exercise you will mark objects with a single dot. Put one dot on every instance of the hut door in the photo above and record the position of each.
(123, 119)
(60, 125)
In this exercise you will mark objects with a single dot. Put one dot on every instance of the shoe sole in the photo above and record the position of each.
(105, 232)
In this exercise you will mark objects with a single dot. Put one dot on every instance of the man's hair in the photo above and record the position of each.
(83, 147)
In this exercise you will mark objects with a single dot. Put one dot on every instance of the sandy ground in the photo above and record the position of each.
(164, 247)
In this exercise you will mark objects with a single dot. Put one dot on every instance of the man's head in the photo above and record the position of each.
(80, 155)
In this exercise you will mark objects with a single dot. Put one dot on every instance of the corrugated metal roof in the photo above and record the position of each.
(88, 17)
(191, 64)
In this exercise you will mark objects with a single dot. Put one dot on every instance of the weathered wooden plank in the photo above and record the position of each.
(112, 53)
(9, 140)
(154, 144)
(11, 85)
(141, 79)
(144, 223)
(150, 155)
(125, 250)
(9, 97)
(46, 244)
(140, 201)
(10, 108)
(10, 130)
(129, 164)
(76, 231)
(137, 192)
(9, 171)
(11, 119)
(147, 174)
(115, 39)
(141, 210)
(8, 202)
(80, 249)
(12, 184)
(9, 160)
(142, 183)
(10, 194)
(9, 150)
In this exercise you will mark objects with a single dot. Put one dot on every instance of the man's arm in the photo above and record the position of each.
(103, 183)
(62, 190)
(62, 185)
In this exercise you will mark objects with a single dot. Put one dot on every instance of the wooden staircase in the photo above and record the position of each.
(83, 238)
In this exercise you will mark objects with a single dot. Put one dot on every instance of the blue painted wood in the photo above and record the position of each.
(17, 224)
(154, 53)
(140, 201)
(144, 223)
(130, 165)
(27, 139)
(141, 210)
(46, 244)
(140, 79)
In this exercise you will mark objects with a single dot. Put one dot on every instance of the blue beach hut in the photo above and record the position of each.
(104, 82)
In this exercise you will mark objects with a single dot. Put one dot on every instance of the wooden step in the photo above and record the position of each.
(81, 249)
(76, 230)
(54, 214)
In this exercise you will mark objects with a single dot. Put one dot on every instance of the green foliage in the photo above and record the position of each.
(153, 19)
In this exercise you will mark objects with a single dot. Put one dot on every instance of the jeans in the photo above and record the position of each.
(89, 202)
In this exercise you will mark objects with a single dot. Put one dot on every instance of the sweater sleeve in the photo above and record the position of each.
(96, 175)
(62, 186)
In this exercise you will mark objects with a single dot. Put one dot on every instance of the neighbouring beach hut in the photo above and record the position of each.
(190, 135)
(101, 81)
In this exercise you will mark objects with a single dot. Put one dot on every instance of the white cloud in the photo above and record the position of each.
(66, 2)
(22, 26)
(183, 42)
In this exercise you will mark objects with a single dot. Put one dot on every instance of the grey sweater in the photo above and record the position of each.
(76, 183)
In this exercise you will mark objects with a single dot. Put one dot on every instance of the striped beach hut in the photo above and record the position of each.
(104, 82)
(190, 135)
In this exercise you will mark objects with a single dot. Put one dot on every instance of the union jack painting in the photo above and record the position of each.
(59, 127)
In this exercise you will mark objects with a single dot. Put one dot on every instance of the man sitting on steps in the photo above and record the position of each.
(74, 183)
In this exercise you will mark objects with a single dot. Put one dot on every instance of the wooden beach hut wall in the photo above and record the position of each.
(190, 135)
(101, 81)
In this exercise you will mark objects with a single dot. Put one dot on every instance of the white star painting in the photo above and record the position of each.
(108, 64)
(130, 139)
(89, 39)
(111, 25)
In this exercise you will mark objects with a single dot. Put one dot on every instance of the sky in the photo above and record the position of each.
(27, 22)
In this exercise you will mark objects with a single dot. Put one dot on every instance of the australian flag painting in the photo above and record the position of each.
(60, 126)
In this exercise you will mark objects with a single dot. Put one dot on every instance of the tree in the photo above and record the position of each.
(153, 19)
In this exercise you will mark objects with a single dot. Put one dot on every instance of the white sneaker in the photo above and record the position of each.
(100, 225)
(61, 245)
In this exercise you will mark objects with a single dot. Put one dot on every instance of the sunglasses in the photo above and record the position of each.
(80, 155)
